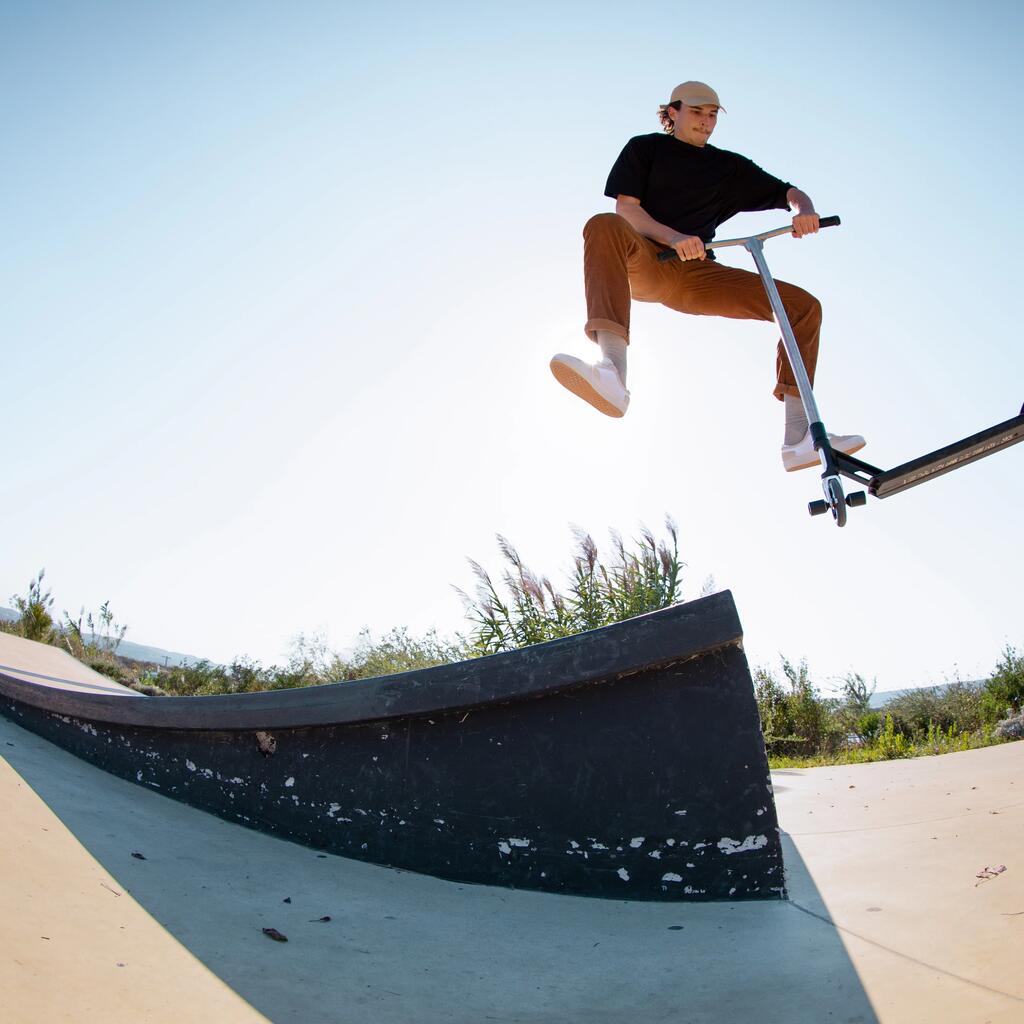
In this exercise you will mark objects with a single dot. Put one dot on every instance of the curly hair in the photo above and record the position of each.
(667, 124)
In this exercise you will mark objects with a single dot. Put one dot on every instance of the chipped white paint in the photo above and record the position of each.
(670, 842)
(574, 844)
(236, 781)
(88, 727)
(519, 842)
(637, 841)
(671, 876)
(690, 889)
(730, 846)
(503, 847)
(289, 782)
(598, 846)
(190, 765)
(623, 874)
(207, 773)
(679, 813)
(359, 810)
(700, 846)
(439, 821)
(691, 865)
(760, 811)
(655, 854)
(333, 810)
(138, 776)
(732, 890)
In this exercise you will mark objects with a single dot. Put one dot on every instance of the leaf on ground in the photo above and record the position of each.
(137, 855)
(986, 873)
(317, 920)
(273, 933)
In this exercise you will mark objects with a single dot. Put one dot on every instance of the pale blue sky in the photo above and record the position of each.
(281, 284)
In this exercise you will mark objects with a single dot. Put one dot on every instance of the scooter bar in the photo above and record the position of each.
(825, 222)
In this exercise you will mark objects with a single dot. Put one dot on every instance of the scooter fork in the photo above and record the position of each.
(831, 484)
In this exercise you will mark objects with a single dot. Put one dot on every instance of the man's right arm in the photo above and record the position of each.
(689, 247)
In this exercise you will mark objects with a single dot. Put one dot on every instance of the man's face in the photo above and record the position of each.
(694, 124)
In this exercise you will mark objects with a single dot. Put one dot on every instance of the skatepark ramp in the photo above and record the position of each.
(625, 763)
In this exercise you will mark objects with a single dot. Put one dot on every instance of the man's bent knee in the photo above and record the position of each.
(604, 223)
(802, 303)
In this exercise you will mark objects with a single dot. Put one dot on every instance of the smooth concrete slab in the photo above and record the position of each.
(76, 946)
(898, 853)
(401, 947)
(39, 663)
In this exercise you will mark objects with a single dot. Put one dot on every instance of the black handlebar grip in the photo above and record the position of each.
(829, 222)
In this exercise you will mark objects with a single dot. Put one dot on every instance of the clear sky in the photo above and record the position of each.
(281, 282)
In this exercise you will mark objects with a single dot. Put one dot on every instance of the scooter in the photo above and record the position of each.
(879, 483)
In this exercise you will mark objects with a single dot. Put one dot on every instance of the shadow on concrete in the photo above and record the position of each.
(401, 947)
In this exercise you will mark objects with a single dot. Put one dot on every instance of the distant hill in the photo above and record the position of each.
(127, 649)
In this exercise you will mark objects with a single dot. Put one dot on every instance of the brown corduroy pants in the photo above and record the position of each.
(619, 264)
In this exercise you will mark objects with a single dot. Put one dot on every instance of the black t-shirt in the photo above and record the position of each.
(692, 188)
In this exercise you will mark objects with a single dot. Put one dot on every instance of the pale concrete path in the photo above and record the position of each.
(50, 666)
(886, 921)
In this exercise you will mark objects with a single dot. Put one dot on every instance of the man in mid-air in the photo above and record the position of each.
(671, 191)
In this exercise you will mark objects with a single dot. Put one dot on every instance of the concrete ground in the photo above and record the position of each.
(907, 904)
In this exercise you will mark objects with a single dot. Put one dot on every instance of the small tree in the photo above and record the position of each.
(857, 694)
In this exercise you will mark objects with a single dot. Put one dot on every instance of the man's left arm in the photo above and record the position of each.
(805, 220)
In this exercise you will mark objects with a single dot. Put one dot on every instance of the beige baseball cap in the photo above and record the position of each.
(696, 94)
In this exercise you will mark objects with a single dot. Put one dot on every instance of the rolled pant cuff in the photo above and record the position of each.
(597, 324)
(781, 390)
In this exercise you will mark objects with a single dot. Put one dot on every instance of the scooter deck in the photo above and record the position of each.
(882, 484)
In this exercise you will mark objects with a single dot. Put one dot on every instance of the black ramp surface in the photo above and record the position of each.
(624, 763)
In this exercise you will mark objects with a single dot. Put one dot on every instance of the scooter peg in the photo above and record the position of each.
(817, 508)
(857, 499)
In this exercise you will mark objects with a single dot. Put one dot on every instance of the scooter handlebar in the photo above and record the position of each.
(824, 222)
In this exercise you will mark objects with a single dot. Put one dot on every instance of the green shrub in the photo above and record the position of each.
(397, 651)
(796, 721)
(868, 725)
(1003, 693)
(958, 706)
(890, 742)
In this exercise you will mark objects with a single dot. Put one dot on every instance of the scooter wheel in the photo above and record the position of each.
(817, 508)
(836, 501)
(857, 499)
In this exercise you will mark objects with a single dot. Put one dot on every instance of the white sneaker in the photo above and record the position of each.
(596, 383)
(802, 454)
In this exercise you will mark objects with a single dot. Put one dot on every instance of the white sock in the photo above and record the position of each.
(796, 419)
(613, 348)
